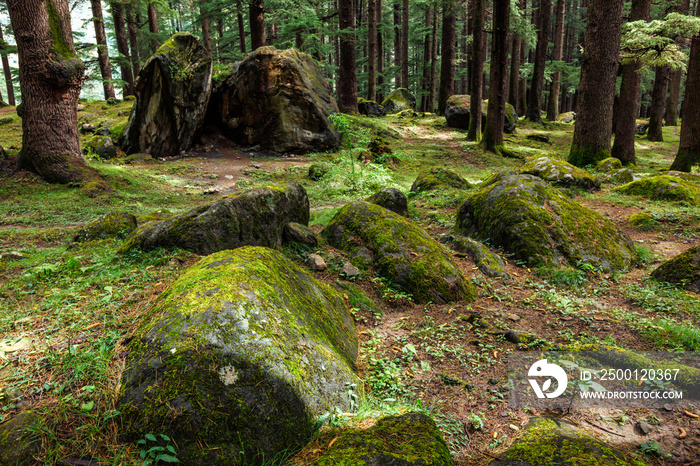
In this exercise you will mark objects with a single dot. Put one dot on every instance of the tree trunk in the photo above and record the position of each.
(447, 67)
(347, 81)
(674, 93)
(514, 80)
(241, 32)
(404, 45)
(397, 43)
(658, 101)
(50, 77)
(8, 73)
(257, 24)
(534, 103)
(477, 72)
(553, 105)
(372, 50)
(122, 47)
(102, 55)
(206, 33)
(153, 26)
(427, 61)
(380, 53)
(433, 63)
(131, 24)
(495, 116)
(596, 90)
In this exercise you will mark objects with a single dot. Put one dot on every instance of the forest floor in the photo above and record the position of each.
(66, 308)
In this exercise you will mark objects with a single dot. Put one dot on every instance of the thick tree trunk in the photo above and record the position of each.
(596, 90)
(347, 81)
(132, 26)
(372, 50)
(123, 48)
(495, 116)
(447, 67)
(7, 72)
(433, 63)
(397, 43)
(658, 101)
(553, 104)
(153, 26)
(477, 71)
(206, 33)
(534, 103)
(257, 24)
(380, 53)
(50, 77)
(404, 45)
(102, 55)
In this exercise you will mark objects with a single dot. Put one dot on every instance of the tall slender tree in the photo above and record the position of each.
(495, 116)
(206, 29)
(477, 71)
(102, 54)
(514, 80)
(123, 48)
(397, 42)
(132, 26)
(674, 84)
(534, 102)
(257, 24)
(372, 49)
(658, 103)
(6, 70)
(553, 104)
(347, 79)
(433, 63)
(596, 90)
(153, 25)
(404, 45)
(380, 53)
(241, 28)
(427, 60)
(447, 67)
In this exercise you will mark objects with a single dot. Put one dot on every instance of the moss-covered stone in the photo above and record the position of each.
(560, 173)
(114, 224)
(369, 107)
(457, 113)
(277, 99)
(18, 446)
(172, 94)
(253, 217)
(242, 353)
(663, 188)
(490, 264)
(437, 178)
(401, 251)
(551, 442)
(619, 176)
(400, 99)
(294, 232)
(155, 216)
(411, 439)
(391, 199)
(567, 117)
(541, 226)
(356, 298)
(608, 165)
(641, 220)
(318, 171)
(683, 270)
(102, 146)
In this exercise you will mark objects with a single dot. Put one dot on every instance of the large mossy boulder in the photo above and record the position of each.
(411, 439)
(103, 146)
(114, 224)
(458, 108)
(608, 165)
(551, 442)
(254, 217)
(242, 353)
(172, 93)
(399, 100)
(400, 251)
(391, 199)
(369, 108)
(438, 178)
(541, 226)
(560, 173)
(663, 188)
(567, 117)
(278, 100)
(19, 443)
(683, 270)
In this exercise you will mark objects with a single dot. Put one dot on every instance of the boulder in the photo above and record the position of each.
(101, 145)
(457, 111)
(253, 217)
(400, 99)
(608, 165)
(567, 117)
(19, 443)
(411, 439)
(684, 270)
(172, 92)
(560, 173)
(642, 220)
(552, 442)
(438, 178)
(294, 232)
(242, 353)
(357, 298)
(541, 226)
(401, 252)
(155, 216)
(278, 100)
(663, 188)
(391, 199)
(317, 263)
(619, 176)
(490, 264)
(369, 108)
(318, 171)
(6, 120)
(114, 224)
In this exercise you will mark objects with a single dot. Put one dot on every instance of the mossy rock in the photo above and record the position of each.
(458, 111)
(155, 216)
(18, 446)
(411, 439)
(496, 177)
(242, 353)
(402, 252)
(663, 188)
(114, 224)
(641, 220)
(6, 120)
(369, 108)
(400, 99)
(294, 232)
(318, 171)
(567, 117)
(551, 442)
(356, 298)
(103, 146)
(560, 173)
(695, 177)
(438, 178)
(490, 264)
(172, 93)
(541, 226)
(608, 165)
(253, 217)
(683, 270)
(391, 199)
(619, 176)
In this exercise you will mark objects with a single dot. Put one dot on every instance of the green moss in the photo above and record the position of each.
(118, 224)
(664, 187)
(584, 155)
(684, 270)
(641, 220)
(60, 46)
(560, 173)
(607, 165)
(439, 177)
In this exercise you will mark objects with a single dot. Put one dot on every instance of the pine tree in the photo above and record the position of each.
(495, 116)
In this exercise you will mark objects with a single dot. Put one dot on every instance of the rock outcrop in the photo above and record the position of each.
(663, 188)
(399, 100)
(438, 178)
(560, 173)
(457, 113)
(683, 270)
(391, 199)
(114, 224)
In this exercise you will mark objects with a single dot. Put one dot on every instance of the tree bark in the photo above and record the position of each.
(495, 116)
(123, 48)
(427, 61)
(372, 50)
(658, 101)
(433, 63)
(257, 24)
(463, 85)
(50, 76)
(477, 72)
(447, 67)
(397, 43)
(102, 55)
(8, 73)
(404, 45)
(380, 53)
(514, 80)
(241, 32)
(347, 81)
(596, 90)
(534, 103)
(131, 24)
(674, 93)
(553, 105)
(153, 26)
(206, 32)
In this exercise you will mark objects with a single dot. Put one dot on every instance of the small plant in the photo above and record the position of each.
(160, 452)
(652, 447)
(476, 422)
